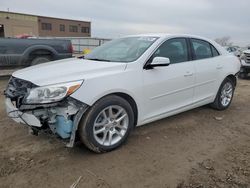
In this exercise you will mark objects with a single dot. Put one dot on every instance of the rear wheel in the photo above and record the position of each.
(39, 60)
(107, 124)
(225, 95)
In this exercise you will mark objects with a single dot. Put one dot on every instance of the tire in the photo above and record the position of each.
(98, 124)
(226, 90)
(39, 60)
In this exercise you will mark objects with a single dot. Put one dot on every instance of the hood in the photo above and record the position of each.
(67, 70)
(246, 51)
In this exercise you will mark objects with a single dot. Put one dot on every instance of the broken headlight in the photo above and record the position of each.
(51, 93)
(243, 57)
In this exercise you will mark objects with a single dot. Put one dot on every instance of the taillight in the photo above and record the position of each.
(71, 50)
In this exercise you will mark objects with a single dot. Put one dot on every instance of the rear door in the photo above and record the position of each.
(208, 67)
(169, 88)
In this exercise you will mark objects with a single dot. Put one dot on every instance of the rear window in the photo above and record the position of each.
(202, 49)
(214, 51)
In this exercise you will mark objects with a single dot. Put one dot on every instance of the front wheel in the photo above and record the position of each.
(225, 95)
(107, 124)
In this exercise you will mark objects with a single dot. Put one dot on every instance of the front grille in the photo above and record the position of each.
(17, 89)
(247, 55)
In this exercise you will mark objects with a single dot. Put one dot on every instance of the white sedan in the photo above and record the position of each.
(128, 82)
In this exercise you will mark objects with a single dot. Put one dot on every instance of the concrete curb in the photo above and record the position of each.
(6, 73)
(4, 77)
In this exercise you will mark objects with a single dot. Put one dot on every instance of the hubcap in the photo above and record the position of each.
(111, 125)
(226, 94)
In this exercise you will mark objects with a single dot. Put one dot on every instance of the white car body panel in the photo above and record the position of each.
(207, 73)
(176, 90)
(70, 69)
(158, 93)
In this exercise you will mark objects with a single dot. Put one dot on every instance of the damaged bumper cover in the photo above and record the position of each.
(61, 118)
(21, 117)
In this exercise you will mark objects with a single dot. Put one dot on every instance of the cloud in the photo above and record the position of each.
(113, 18)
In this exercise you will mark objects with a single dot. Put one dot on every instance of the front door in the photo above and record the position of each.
(169, 88)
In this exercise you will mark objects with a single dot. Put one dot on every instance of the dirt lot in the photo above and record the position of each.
(199, 148)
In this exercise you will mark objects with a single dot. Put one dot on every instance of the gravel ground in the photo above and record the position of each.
(198, 148)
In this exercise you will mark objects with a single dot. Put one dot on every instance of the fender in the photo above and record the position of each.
(95, 98)
(29, 50)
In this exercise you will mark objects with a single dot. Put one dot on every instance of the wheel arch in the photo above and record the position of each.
(40, 53)
(232, 78)
(130, 100)
(37, 50)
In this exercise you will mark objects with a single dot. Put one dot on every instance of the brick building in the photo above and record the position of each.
(13, 24)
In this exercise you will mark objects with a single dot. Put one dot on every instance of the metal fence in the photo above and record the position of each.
(84, 43)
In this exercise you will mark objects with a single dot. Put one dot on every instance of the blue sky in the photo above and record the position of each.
(114, 18)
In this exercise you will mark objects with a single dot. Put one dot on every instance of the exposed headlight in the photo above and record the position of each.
(51, 93)
(243, 57)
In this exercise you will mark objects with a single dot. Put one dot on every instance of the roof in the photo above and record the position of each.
(169, 35)
(43, 16)
(164, 36)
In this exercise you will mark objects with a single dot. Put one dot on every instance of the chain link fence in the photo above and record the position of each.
(80, 44)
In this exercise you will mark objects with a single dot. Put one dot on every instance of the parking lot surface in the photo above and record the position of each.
(198, 148)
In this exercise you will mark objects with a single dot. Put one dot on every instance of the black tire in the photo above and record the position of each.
(217, 104)
(40, 59)
(86, 125)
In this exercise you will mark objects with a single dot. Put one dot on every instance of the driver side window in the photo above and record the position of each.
(174, 49)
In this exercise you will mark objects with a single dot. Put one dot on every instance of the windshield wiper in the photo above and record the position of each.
(97, 59)
(81, 57)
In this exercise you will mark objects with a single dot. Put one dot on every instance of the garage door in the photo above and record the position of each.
(18, 30)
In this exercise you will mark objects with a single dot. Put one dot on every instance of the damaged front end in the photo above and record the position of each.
(60, 116)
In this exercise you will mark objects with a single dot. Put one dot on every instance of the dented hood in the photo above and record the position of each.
(67, 70)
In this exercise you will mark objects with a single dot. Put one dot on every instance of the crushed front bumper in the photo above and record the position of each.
(28, 118)
(60, 118)
(21, 117)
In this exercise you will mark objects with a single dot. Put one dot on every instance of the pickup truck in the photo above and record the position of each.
(245, 64)
(26, 52)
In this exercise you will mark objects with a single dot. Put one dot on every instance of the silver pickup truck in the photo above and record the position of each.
(26, 52)
(245, 64)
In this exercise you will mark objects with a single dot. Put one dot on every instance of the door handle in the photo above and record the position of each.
(188, 74)
(219, 67)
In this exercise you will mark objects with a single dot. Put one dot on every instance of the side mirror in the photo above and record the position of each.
(159, 62)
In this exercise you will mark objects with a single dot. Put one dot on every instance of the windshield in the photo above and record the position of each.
(122, 50)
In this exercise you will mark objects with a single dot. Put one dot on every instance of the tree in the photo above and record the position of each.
(224, 41)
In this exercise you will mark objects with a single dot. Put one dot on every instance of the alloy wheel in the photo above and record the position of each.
(110, 125)
(226, 94)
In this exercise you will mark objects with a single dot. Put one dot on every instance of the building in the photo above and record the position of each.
(13, 24)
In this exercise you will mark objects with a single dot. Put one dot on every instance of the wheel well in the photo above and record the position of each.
(131, 102)
(233, 79)
(38, 53)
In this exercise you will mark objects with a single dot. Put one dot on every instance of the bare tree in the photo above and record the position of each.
(224, 41)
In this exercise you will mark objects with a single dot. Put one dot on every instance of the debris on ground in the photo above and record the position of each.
(74, 185)
(218, 118)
